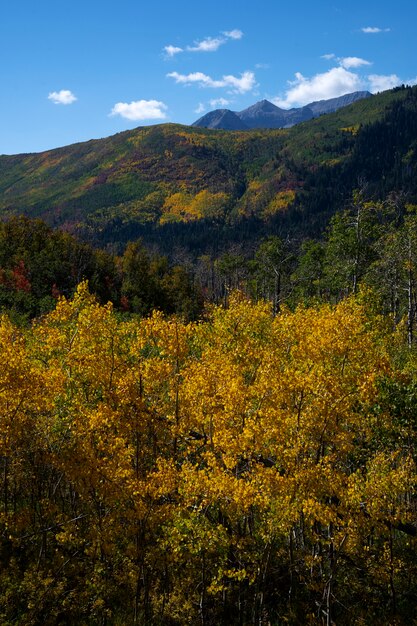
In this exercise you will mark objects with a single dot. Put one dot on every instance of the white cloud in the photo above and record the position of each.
(380, 82)
(195, 77)
(219, 102)
(245, 83)
(350, 62)
(200, 109)
(65, 96)
(233, 34)
(346, 62)
(332, 84)
(140, 110)
(172, 50)
(374, 29)
(211, 44)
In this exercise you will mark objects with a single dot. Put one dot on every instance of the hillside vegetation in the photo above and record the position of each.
(157, 179)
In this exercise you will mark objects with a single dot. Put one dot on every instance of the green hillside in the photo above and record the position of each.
(173, 176)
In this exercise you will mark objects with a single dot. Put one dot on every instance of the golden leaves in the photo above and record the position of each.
(157, 445)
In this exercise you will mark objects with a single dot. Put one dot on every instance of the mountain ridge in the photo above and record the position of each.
(265, 114)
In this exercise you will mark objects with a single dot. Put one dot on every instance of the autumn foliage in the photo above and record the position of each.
(247, 469)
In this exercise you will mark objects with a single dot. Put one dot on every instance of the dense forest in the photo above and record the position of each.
(249, 460)
(370, 244)
(246, 469)
(208, 383)
(38, 264)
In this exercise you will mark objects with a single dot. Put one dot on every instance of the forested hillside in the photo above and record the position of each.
(182, 186)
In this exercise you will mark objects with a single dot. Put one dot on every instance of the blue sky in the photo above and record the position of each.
(73, 70)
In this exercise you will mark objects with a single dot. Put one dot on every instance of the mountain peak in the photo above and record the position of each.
(263, 114)
(262, 105)
(221, 119)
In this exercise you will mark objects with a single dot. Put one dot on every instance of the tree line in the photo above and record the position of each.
(39, 264)
(369, 243)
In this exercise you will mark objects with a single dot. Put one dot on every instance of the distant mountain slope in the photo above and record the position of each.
(222, 119)
(265, 114)
(165, 180)
(334, 104)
